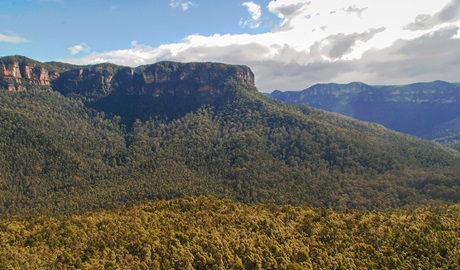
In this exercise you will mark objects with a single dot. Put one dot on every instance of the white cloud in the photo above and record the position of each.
(12, 39)
(326, 40)
(256, 14)
(184, 5)
(78, 48)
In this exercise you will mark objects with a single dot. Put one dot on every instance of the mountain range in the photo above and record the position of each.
(426, 110)
(74, 138)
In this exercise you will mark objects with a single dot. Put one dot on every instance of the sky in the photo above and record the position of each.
(288, 44)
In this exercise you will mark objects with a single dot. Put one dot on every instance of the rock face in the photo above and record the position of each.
(92, 81)
(10, 70)
(172, 89)
(164, 78)
(416, 109)
(98, 81)
(21, 76)
(171, 78)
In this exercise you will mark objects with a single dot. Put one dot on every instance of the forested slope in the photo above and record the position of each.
(58, 155)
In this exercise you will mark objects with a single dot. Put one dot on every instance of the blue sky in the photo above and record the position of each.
(289, 44)
(52, 26)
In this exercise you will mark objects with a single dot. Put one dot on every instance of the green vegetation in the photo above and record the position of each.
(448, 134)
(60, 156)
(207, 233)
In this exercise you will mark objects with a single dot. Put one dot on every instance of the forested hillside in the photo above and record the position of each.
(207, 233)
(58, 155)
(66, 151)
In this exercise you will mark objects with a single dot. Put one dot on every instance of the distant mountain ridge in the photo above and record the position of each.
(426, 110)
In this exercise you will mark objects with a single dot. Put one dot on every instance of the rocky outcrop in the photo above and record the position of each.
(164, 78)
(17, 76)
(10, 70)
(181, 79)
(435, 92)
(95, 81)
(90, 82)
(172, 89)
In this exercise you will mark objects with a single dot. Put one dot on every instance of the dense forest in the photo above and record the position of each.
(60, 156)
(207, 233)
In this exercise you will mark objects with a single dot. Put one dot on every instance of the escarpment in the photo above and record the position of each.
(172, 89)
(165, 89)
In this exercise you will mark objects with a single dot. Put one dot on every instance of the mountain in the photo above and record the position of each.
(96, 136)
(426, 110)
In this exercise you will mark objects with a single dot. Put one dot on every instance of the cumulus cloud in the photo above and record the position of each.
(323, 41)
(429, 57)
(74, 50)
(256, 14)
(450, 12)
(12, 39)
(184, 5)
(336, 46)
(354, 9)
(288, 12)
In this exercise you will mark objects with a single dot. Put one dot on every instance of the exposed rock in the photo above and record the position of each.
(172, 89)
(53, 75)
(90, 82)
(21, 76)
(189, 78)
(10, 70)
(27, 71)
(43, 77)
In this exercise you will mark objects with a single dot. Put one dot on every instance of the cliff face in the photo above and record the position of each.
(178, 79)
(22, 76)
(21, 73)
(90, 82)
(320, 94)
(164, 78)
(165, 89)
(189, 83)
(172, 89)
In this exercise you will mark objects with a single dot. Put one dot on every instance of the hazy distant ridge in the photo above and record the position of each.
(427, 110)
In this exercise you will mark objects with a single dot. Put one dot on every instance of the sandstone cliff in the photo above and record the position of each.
(165, 89)
(20, 74)
(172, 89)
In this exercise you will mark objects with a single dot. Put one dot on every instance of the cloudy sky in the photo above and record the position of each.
(289, 44)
